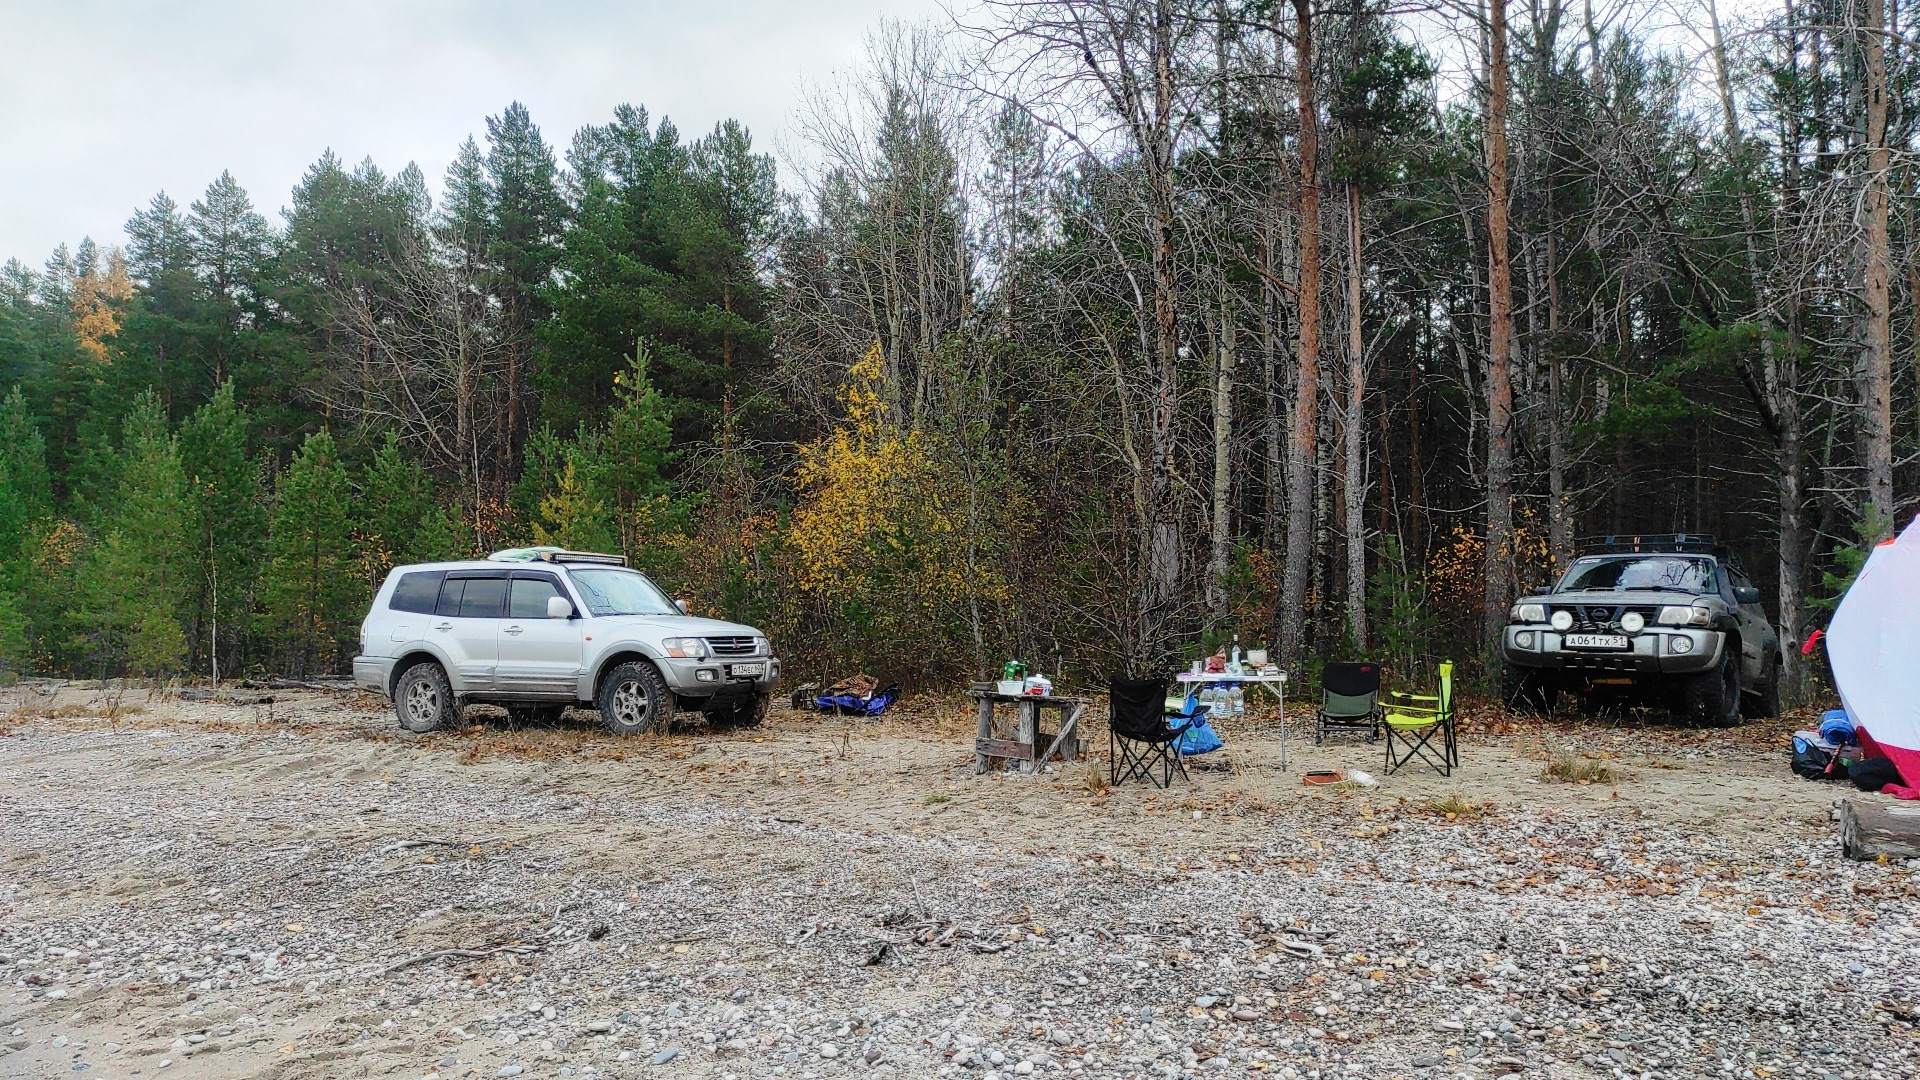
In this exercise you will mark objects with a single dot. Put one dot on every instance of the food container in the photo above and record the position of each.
(1038, 684)
(1011, 687)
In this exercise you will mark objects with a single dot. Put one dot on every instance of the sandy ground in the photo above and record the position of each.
(300, 889)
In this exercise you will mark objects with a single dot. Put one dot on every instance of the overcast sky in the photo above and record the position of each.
(109, 101)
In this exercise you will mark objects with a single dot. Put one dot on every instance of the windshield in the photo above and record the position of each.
(1668, 573)
(621, 592)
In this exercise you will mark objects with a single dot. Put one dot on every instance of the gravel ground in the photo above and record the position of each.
(297, 889)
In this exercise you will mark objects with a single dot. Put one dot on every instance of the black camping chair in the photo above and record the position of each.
(1349, 701)
(1141, 732)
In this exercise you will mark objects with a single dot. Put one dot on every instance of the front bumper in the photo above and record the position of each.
(716, 676)
(1651, 652)
(373, 673)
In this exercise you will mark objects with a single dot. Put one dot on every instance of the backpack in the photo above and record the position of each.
(1815, 762)
(1872, 774)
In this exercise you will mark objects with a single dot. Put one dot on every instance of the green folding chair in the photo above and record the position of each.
(1414, 721)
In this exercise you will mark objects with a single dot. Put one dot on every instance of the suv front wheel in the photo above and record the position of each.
(633, 698)
(749, 711)
(1713, 697)
(423, 698)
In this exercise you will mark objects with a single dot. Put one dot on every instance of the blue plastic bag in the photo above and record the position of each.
(1198, 739)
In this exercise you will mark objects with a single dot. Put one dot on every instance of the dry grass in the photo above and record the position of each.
(1454, 808)
(1583, 770)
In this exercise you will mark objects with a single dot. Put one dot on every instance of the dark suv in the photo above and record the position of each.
(1647, 620)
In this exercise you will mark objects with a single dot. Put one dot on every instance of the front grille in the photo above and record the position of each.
(1600, 618)
(731, 646)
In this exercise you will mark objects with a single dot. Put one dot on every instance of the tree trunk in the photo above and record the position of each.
(1163, 570)
(1303, 448)
(1499, 550)
(1876, 357)
(1221, 537)
(1355, 432)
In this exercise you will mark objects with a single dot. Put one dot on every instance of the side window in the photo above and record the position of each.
(450, 594)
(417, 592)
(529, 595)
(484, 598)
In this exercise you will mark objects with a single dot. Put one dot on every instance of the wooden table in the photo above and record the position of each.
(1018, 739)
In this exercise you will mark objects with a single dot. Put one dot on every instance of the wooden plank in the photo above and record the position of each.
(1002, 748)
(1065, 742)
(1029, 732)
(986, 729)
(1870, 830)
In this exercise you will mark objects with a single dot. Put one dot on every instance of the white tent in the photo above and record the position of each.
(1874, 645)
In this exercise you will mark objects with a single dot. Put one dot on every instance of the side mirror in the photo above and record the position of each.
(682, 605)
(1746, 594)
(559, 607)
(1540, 590)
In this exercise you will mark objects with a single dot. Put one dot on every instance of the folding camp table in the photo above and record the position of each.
(1017, 739)
(1275, 683)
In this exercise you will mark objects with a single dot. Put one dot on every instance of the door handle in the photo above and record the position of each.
(444, 626)
(511, 630)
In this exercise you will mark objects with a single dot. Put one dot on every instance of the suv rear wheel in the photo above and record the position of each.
(423, 698)
(633, 698)
(1764, 702)
(1713, 697)
(749, 711)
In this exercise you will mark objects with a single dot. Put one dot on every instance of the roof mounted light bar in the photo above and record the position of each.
(1679, 543)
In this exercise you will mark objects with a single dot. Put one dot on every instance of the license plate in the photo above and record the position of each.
(754, 670)
(1596, 641)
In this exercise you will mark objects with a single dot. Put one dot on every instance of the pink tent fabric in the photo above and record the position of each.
(1874, 646)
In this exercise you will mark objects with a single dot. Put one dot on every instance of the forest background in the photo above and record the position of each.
(1089, 332)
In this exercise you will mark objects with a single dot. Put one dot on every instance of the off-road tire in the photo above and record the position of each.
(740, 712)
(423, 698)
(1524, 690)
(1763, 703)
(535, 715)
(634, 698)
(1712, 698)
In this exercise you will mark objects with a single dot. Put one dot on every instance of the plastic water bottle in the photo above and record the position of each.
(1239, 700)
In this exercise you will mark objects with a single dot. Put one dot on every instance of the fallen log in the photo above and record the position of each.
(1869, 831)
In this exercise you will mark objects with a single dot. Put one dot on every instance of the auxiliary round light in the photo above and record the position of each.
(1524, 639)
(1681, 645)
(1633, 622)
(1562, 620)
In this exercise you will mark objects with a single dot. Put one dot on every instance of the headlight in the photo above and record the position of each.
(1529, 613)
(686, 648)
(1562, 620)
(1685, 616)
(762, 647)
(1633, 622)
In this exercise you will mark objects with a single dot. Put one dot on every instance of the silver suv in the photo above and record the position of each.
(1661, 620)
(541, 629)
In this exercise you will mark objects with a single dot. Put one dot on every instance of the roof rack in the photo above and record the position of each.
(556, 555)
(1687, 543)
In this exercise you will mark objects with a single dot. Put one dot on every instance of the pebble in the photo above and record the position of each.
(828, 1050)
(510, 1070)
(600, 1027)
(664, 1056)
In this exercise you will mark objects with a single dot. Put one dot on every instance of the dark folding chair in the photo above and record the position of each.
(1349, 701)
(1142, 731)
(1411, 728)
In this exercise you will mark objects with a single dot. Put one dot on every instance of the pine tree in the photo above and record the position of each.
(399, 521)
(229, 526)
(312, 586)
(626, 458)
(26, 501)
(134, 581)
